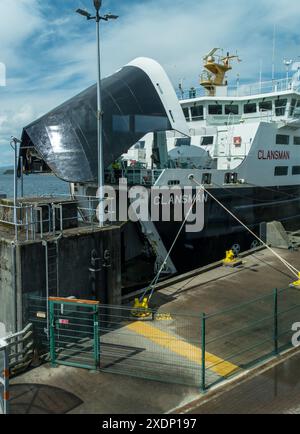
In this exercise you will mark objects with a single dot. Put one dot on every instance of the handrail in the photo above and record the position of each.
(258, 88)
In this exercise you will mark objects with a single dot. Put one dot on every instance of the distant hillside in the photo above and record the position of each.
(4, 169)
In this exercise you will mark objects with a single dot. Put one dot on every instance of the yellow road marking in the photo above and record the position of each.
(182, 348)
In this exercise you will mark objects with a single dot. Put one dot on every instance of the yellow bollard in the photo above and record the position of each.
(297, 283)
(141, 309)
(231, 260)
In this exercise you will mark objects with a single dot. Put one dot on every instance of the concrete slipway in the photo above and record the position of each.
(64, 389)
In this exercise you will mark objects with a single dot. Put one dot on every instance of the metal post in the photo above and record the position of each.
(276, 321)
(96, 339)
(22, 177)
(100, 126)
(15, 187)
(6, 382)
(203, 344)
(52, 333)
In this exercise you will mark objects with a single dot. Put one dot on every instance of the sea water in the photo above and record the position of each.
(34, 185)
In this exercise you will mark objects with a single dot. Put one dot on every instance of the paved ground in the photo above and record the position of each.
(275, 391)
(175, 340)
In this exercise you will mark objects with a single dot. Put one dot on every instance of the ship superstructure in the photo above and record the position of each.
(242, 144)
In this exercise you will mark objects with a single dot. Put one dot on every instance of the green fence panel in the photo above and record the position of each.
(74, 333)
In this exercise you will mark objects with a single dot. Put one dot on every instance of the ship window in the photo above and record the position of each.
(296, 140)
(215, 109)
(296, 170)
(197, 112)
(231, 178)
(282, 139)
(231, 109)
(207, 141)
(265, 106)
(293, 105)
(280, 106)
(297, 109)
(281, 170)
(206, 178)
(140, 145)
(186, 113)
(250, 108)
(183, 141)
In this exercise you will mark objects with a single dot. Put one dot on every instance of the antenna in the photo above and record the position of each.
(260, 74)
(274, 51)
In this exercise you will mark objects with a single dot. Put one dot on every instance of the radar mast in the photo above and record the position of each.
(215, 68)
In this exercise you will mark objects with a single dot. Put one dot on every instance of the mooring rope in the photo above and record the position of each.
(291, 268)
(152, 285)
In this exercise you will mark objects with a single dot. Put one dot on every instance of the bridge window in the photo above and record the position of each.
(215, 109)
(265, 106)
(281, 171)
(197, 112)
(296, 170)
(231, 109)
(293, 105)
(297, 109)
(186, 113)
(207, 141)
(280, 106)
(296, 140)
(282, 139)
(250, 108)
(172, 183)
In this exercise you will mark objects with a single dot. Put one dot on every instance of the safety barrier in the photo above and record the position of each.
(248, 334)
(30, 221)
(199, 350)
(160, 346)
(20, 349)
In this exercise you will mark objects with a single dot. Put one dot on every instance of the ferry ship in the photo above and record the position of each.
(241, 143)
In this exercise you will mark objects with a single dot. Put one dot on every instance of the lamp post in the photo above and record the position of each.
(14, 144)
(98, 18)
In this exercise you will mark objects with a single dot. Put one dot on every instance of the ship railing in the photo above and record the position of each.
(240, 90)
(134, 176)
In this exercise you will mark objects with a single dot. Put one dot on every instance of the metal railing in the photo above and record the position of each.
(241, 90)
(43, 218)
(20, 349)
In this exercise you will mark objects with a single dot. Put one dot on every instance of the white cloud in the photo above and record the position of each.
(50, 58)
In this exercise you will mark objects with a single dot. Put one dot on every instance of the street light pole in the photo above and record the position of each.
(98, 18)
(100, 126)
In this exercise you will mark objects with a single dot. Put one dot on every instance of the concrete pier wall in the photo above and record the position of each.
(89, 265)
(7, 296)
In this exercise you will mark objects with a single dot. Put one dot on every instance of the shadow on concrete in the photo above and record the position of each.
(41, 399)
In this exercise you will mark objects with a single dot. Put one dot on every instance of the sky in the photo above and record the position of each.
(49, 50)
